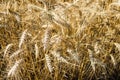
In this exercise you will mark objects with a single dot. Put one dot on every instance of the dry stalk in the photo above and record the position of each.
(97, 48)
(33, 39)
(36, 7)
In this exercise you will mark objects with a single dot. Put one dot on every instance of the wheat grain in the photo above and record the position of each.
(96, 48)
(36, 51)
(113, 59)
(118, 46)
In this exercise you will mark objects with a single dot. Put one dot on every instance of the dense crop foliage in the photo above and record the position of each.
(60, 40)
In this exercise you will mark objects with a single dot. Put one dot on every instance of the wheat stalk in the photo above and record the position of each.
(36, 7)
(33, 39)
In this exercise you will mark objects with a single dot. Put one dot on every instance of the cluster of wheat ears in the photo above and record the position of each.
(60, 39)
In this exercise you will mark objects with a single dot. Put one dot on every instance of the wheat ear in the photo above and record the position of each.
(113, 59)
(36, 51)
(6, 49)
(59, 58)
(73, 55)
(118, 46)
(22, 38)
(48, 62)
(16, 53)
(14, 69)
(91, 59)
(46, 39)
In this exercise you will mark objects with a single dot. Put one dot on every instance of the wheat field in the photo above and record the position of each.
(59, 39)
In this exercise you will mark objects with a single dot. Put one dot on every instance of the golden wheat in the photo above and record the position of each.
(74, 39)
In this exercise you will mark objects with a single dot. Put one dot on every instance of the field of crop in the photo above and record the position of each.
(59, 39)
